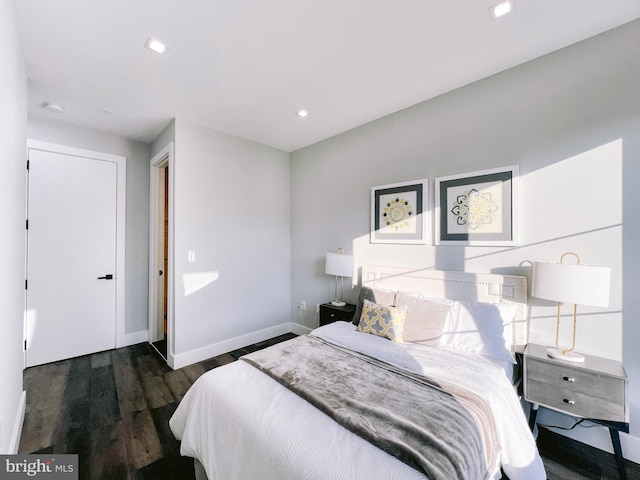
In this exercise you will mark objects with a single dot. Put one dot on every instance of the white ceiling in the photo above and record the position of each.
(246, 66)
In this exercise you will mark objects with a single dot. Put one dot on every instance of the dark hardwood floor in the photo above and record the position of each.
(113, 408)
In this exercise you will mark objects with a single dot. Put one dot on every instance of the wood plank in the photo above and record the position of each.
(589, 461)
(37, 434)
(161, 417)
(105, 409)
(101, 359)
(193, 372)
(75, 439)
(150, 365)
(109, 454)
(178, 383)
(156, 392)
(131, 395)
(224, 359)
(44, 404)
(78, 382)
(168, 468)
(145, 443)
(557, 471)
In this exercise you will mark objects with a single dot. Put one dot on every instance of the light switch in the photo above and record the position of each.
(191, 256)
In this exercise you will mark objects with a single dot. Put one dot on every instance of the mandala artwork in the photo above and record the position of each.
(397, 213)
(474, 209)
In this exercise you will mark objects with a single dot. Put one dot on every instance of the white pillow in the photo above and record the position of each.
(426, 318)
(482, 328)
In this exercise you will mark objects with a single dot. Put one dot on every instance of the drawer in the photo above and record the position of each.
(577, 403)
(576, 381)
(333, 314)
(328, 316)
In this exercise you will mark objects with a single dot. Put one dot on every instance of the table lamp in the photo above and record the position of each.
(340, 265)
(570, 283)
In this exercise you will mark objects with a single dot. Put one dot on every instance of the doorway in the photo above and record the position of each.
(160, 253)
(75, 245)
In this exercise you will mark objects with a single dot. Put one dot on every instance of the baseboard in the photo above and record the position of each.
(589, 461)
(299, 329)
(14, 443)
(198, 355)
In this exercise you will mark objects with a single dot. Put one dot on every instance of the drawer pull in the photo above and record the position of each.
(569, 379)
(570, 402)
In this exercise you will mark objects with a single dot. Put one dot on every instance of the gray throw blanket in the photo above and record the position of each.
(442, 430)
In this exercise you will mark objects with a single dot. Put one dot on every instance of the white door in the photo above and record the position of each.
(71, 262)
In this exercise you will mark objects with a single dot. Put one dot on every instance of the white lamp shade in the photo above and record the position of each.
(339, 265)
(567, 283)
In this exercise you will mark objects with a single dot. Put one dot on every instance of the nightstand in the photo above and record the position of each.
(595, 389)
(330, 313)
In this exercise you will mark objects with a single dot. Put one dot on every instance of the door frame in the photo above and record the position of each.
(121, 198)
(162, 159)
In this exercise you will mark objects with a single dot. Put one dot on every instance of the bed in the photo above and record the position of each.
(353, 401)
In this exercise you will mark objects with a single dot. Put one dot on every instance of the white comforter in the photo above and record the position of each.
(243, 425)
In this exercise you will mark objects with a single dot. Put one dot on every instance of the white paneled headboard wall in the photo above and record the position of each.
(476, 287)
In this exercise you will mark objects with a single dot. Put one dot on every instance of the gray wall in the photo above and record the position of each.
(231, 207)
(167, 136)
(137, 210)
(13, 126)
(570, 120)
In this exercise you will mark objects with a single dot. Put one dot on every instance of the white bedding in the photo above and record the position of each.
(241, 424)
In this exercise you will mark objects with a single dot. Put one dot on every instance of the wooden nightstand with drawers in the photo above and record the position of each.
(331, 313)
(595, 389)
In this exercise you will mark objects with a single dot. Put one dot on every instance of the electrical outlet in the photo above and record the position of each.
(303, 305)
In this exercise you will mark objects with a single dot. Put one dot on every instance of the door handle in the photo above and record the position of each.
(108, 276)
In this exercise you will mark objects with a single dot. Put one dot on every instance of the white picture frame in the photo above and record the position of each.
(477, 208)
(400, 213)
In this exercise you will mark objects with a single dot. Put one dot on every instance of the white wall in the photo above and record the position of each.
(232, 209)
(570, 120)
(137, 211)
(13, 126)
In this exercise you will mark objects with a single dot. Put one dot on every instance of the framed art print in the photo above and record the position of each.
(478, 208)
(399, 213)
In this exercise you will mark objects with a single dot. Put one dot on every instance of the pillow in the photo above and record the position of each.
(482, 328)
(426, 318)
(376, 295)
(383, 321)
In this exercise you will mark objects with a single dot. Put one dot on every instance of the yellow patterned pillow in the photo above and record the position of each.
(384, 321)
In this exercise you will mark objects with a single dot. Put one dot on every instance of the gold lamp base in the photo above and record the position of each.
(565, 355)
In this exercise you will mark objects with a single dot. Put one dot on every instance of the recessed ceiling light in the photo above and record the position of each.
(155, 46)
(302, 113)
(53, 107)
(502, 8)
